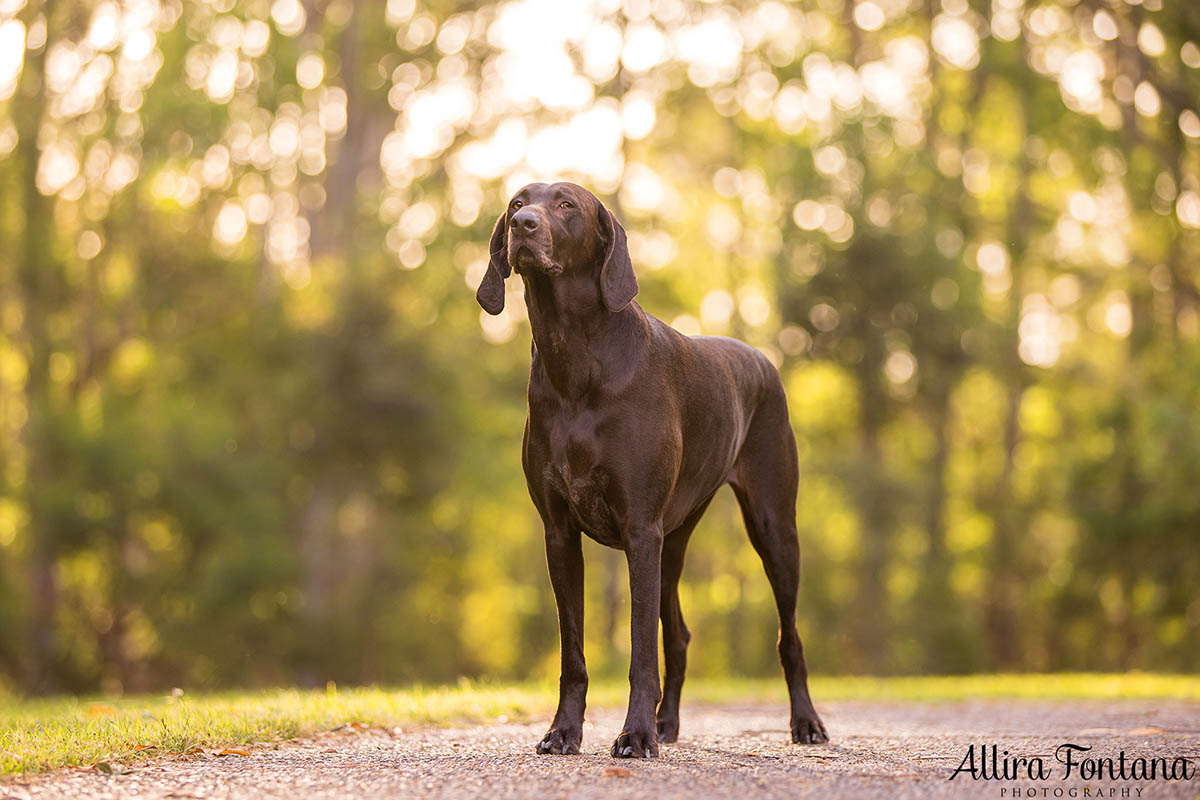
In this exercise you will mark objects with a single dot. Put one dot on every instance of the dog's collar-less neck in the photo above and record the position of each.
(580, 344)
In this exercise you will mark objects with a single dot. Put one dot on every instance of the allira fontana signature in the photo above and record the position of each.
(990, 763)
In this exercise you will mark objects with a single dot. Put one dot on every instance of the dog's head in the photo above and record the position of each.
(557, 229)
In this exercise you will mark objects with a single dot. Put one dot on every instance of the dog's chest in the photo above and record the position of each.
(578, 472)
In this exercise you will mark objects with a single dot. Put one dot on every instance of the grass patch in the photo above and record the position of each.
(1057, 686)
(42, 734)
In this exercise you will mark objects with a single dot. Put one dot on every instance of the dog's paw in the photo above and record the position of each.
(668, 730)
(807, 729)
(560, 742)
(636, 744)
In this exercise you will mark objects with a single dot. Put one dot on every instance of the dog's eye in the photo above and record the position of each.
(517, 204)
(566, 204)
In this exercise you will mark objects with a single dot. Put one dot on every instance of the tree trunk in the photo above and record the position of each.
(318, 562)
(939, 618)
(1004, 579)
(875, 526)
(38, 274)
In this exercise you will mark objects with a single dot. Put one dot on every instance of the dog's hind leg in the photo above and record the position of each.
(675, 633)
(765, 478)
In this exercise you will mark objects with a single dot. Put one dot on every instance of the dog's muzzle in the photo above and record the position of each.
(529, 253)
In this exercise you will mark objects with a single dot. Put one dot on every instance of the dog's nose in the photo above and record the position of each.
(525, 220)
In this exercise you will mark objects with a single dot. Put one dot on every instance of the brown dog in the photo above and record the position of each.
(632, 428)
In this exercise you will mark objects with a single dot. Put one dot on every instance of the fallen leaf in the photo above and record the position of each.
(100, 710)
(195, 751)
(1148, 731)
(228, 752)
(103, 766)
(362, 726)
(617, 772)
(140, 747)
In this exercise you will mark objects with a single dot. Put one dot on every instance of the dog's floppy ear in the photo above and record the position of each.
(491, 289)
(618, 285)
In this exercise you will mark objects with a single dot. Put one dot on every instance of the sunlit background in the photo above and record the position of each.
(254, 428)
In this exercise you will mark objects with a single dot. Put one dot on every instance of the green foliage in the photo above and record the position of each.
(254, 429)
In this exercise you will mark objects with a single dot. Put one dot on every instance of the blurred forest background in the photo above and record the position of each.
(254, 428)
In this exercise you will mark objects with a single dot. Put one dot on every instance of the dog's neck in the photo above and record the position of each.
(582, 347)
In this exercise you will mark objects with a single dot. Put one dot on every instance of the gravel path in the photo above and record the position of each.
(878, 750)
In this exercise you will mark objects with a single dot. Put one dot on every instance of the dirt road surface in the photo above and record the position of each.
(878, 750)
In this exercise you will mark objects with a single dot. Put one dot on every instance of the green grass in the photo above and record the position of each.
(42, 734)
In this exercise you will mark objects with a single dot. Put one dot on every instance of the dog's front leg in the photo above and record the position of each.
(564, 556)
(639, 736)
